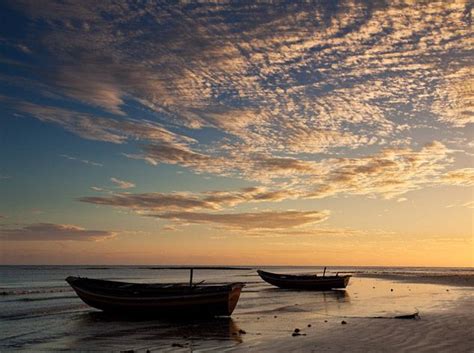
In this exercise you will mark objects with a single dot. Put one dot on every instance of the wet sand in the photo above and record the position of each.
(448, 329)
(266, 318)
(445, 325)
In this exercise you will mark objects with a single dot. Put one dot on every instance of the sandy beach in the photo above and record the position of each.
(461, 280)
(445, 325)
(447, 331)
(267, 319)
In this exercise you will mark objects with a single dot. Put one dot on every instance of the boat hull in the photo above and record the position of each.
(304, 282)
(186, 302)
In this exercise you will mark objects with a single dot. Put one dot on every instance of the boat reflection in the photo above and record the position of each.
(275, 301)
(335, 294)
(101, 329)
(339, 295)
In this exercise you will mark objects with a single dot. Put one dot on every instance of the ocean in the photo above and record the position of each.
(40, 312)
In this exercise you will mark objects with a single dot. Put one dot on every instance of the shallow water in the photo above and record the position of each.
(40, 312)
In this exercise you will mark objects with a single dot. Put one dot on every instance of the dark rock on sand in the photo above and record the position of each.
(343, 322)
(242, 332)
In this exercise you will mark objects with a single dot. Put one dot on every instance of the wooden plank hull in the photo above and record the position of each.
(304, 282)
(172, 302)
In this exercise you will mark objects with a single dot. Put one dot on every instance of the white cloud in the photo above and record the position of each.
(278, 77)
(122, 184)
(249, 221)
(322, 100)
(211, 200)
(85, 161)
(53, 232)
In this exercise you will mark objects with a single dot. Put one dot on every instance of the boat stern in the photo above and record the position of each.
(233, 296)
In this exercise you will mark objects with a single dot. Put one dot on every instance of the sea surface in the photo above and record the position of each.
(40, 312)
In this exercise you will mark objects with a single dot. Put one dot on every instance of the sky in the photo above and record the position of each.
(278, 133)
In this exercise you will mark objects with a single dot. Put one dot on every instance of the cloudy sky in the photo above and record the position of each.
(336, 132)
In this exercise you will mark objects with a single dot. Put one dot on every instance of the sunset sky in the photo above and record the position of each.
(330, 133)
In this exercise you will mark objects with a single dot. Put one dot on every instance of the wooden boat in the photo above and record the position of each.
(172, 300)
(305, 282)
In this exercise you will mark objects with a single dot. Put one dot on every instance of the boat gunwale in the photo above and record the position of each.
(301, 278)
(190, 296)
(176, 291)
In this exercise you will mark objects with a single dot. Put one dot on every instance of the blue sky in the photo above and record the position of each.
(329, 125)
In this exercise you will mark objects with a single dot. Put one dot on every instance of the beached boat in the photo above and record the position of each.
(305, 282)
(170, 300)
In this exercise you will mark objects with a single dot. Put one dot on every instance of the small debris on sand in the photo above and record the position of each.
(391, 290)
(343, 322)
(296, 332)
(309, 325)
(325, 320)
(275, 316)
(415, 316)
(242, 332)
(177, 345)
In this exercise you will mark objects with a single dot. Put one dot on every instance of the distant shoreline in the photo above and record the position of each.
(197, 268)
(451, 280)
